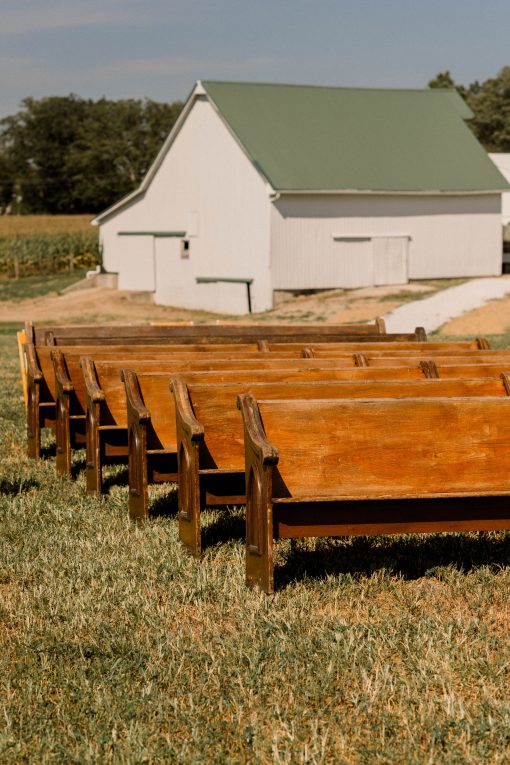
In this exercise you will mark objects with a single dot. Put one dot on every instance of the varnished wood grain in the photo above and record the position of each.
(219, 429)
(363, 466)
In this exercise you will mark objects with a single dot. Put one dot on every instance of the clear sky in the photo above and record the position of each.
(158, 48)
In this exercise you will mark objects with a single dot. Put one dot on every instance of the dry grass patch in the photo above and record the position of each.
(15, 225)
(117, 647)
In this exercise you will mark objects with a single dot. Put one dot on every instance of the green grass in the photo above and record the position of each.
(115, 647)
(37, 286)
(495, 341)
(435, 285)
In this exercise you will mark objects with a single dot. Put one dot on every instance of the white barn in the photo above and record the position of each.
(502, 162)
(292, 188)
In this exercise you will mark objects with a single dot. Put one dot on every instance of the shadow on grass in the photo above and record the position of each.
(13, 488)
(165, 505)
(77, 467)
(48, 452)
(227, 527)
(119, 478)
(409, 558)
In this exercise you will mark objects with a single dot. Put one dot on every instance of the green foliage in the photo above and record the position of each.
(71, 155)
(490, 103)
(29, 254)
(117, 647)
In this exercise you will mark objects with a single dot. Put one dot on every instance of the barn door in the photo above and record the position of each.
(171, 271)
(136, 263)
(390, 259)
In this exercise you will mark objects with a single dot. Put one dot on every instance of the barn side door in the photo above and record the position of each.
(390, 255)
(136, 269)
(172, 271)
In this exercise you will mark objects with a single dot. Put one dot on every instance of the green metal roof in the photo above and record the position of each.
(325, 139)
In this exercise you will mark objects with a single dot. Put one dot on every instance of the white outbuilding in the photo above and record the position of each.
(263, 189)
(502, 162)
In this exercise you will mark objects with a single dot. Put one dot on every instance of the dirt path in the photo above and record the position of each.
(334, 306)
(115, 306)
(493, 318)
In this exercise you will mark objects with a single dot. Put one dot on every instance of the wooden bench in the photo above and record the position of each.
(106, 404)
(38, 376)
(454, 370)
(102, 397)
(317, 350)
(151, 413)
(210, 434)
(329, 468)
(392, 358)
(208, 423)
(45, 382)
(147, 334)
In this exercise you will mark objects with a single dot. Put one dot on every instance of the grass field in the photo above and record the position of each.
(35, 286)
(115, 647)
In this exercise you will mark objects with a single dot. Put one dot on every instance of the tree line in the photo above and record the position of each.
(66, 154)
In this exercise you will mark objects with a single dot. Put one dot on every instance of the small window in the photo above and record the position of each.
(184, 248)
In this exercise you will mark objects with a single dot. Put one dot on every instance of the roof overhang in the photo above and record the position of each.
(382, 192)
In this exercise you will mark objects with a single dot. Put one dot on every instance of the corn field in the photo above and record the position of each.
(48, 253)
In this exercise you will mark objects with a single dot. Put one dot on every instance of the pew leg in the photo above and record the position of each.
(33, 423)
(138, 479)
(190, 497)
(63, 437)
(259, 529)
(93, 453)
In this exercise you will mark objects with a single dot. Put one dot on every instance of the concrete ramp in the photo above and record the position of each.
(432, 312)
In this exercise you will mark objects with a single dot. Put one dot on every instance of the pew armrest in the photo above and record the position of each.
(184, 411)
(94, 392)
(34, 372)
(136, 408)
(254, 430)
(62, 379)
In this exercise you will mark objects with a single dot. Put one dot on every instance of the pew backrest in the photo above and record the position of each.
(215, 409)
(147, 334)
(354, 449)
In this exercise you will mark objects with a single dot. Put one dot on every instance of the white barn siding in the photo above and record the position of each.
(502, 162)
(327, 241)
(207, 187)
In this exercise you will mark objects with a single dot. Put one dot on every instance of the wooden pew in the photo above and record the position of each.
(147, 334)
(151, 419)
(208, 407)
(330, 467)
(38, 376)
(392, 358)
(318, 350)
(105, 403)
(210, 435)
(42, 379)
(45, 385)
(102, 396)
(323, 349)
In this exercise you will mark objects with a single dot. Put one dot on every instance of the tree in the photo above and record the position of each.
(67, 154)
(490, 103)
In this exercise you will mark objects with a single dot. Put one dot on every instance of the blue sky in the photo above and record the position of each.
(158, 48)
